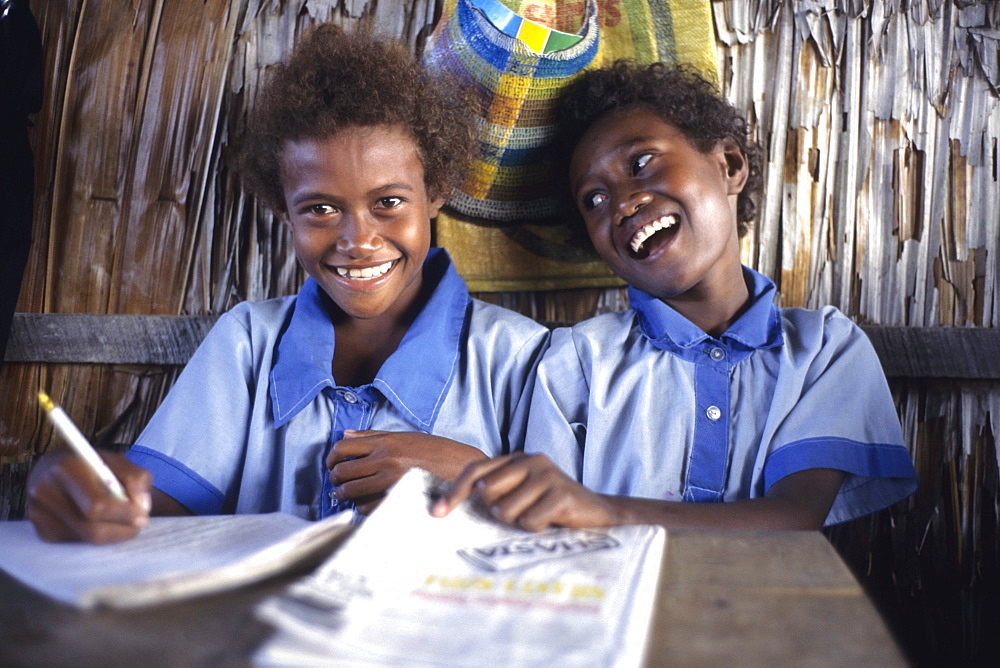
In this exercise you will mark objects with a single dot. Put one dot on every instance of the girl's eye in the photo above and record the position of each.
(640, 161)
(390, 202)
(592, 200)
(320, 209)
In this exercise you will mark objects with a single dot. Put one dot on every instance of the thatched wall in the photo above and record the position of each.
(881, 124)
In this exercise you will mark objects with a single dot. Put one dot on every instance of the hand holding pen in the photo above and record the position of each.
(76, 440)
(77, 494)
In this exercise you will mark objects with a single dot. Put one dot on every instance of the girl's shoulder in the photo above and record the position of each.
(824, 335)
(257, 321)
(263, 313)
(502, 320)
(601, 336)
(806, 326)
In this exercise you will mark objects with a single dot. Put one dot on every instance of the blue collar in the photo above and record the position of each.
(415, 378)
(759, 326)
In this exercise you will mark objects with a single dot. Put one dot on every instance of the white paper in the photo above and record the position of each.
(465, 590)
(173, 557)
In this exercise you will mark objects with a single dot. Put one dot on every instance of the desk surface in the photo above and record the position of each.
(748, 598)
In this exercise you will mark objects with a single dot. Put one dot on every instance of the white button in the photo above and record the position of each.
(349, 397)
(717, 354)
(713, 413)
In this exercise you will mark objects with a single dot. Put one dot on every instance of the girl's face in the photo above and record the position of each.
(660, 213)
(360, 217)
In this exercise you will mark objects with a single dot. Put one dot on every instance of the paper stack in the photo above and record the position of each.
(465, 590)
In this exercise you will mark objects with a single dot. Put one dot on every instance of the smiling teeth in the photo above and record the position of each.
(367, 272)
(652, 228)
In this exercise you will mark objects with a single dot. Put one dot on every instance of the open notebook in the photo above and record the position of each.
(172, 558)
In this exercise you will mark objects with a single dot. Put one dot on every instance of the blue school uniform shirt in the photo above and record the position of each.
(644, 403)
(248, 424)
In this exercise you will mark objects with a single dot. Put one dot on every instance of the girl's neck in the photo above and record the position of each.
(362, 347)
(713, 313)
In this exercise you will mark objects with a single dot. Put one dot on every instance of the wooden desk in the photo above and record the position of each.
(726, 598)
(763, 599)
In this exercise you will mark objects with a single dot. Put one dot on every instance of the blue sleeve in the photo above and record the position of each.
(520, 384)
(181, 483)
(878, 474)
(194, 443)
(557, 417)
(843, 418)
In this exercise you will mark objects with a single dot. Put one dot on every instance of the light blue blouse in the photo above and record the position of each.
(644, 403)
(248, 424)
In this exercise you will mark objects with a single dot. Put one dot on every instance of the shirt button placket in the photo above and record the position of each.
(350, 414)
(717, 354)
(707, 463)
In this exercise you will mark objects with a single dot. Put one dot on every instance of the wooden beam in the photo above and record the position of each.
(84, 338)
(91, 338)
(937, 352)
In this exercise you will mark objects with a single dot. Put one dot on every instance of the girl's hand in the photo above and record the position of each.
(68, 502)
(365, 464)
(529, 491)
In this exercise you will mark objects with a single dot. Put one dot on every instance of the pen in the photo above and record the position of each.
(82, 447)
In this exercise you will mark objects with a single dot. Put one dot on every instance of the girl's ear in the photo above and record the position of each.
(434, 206)
(736, 168)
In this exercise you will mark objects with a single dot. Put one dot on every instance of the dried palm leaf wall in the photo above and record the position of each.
(881, 121)
(881, 124)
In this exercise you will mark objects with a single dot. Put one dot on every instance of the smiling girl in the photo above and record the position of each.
(314, 403)
(705, 404)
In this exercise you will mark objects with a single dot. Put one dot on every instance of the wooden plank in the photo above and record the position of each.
(763, 598)
(937, 352)
(90, 338)
(791, 561)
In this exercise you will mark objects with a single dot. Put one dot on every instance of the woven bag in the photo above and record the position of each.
(515, 89)
(501, 226)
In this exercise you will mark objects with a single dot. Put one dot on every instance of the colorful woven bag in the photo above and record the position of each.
(515, 86)
(501, 226)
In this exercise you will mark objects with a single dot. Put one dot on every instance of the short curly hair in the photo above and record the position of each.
(679, 94)
(335, 80)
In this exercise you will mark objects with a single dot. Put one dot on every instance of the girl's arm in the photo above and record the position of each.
(531, 492)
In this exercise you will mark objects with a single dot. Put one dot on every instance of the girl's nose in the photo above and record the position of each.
(629, 204)
(358, 237)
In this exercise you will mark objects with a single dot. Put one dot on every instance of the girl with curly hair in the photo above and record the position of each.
(314, 403)
(704, 391)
